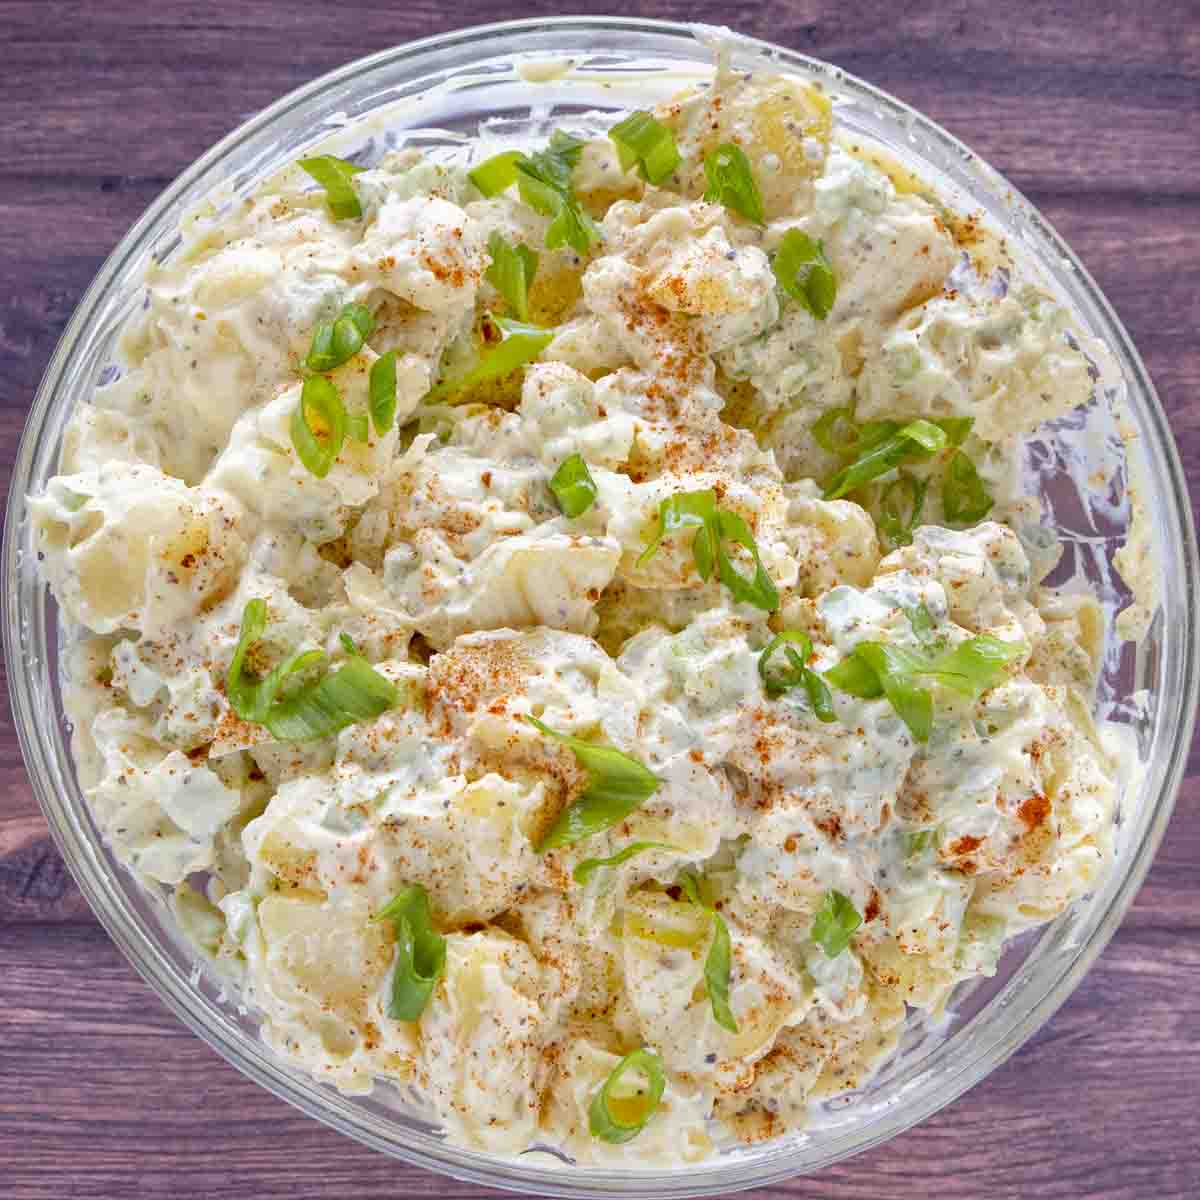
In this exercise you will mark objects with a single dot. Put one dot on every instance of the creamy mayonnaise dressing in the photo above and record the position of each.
(677, 364)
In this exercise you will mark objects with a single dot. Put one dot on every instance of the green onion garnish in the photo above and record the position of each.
(965, 498)
(922, 623)
(319, 452)
(544, 181)
(718, 964)
(897, 670)
(900, 508)
(731, 182)
(835, 923)
(334, 175)
(420, 953)
(714, 526)
(804, 273)
(876, 669)
(251, 696)
(573, 486)
(337, 341)
(497, 174)
(519, 344)
(836, 433)
(974, 665)
(617, 1119)
(382, 392)
(878, 446)
(917, 439)
(777, 681)
(511, 272)
(643, 140)
(355, 692)
(586, 869)
(617, 786)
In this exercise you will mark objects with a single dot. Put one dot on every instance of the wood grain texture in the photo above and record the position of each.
(1092, 109)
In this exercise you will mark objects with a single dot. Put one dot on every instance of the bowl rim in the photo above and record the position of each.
(257, 1061)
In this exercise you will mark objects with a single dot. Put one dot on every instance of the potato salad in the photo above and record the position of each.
(561, 622)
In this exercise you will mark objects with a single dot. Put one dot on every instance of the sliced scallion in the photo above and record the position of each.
(420, 953)
(617, 786)
(519, 344)
(337, 341)
(616, 1117)
(835, 923)
(730, 181)
(381, 390)
(646, 142)
(573, 486)
(718, 963)
(335, 175)
(318, 450)
(511, 272)
(804, 273)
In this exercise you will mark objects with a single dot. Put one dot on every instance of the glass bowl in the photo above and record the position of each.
(433, 93)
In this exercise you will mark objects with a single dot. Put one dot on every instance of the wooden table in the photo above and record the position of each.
(1092, 109)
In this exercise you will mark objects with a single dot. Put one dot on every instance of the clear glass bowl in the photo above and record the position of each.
(443, 87)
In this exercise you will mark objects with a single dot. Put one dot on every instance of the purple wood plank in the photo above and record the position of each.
(1093, 110)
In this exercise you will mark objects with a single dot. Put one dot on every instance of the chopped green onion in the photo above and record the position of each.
(804, 273)
(497, 174)
(572, 227)
(631, 1112)
(926, 434)
(955, 428)
(684, 510)
(777, 681)
(917, 439)
(617, 786)
(896, 669)
(319, 452)
(714, 526)
(573, 486)
(921, 620)
(337, 341)
(348, 643)
(355, 692)
(520, 344)
(835, 923)
(252, 697)
(819, 697)
(855, 678)
(900, 508)
(965, 498)
(586, 869)
(759, 590)
(973, 666)
(544, 181)
(511, 272)
(334, 175)
(559, 159)
(643, 140)
(382, 392)
(420, 953)
(731, 182)
(873, 669)
(718, 964)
